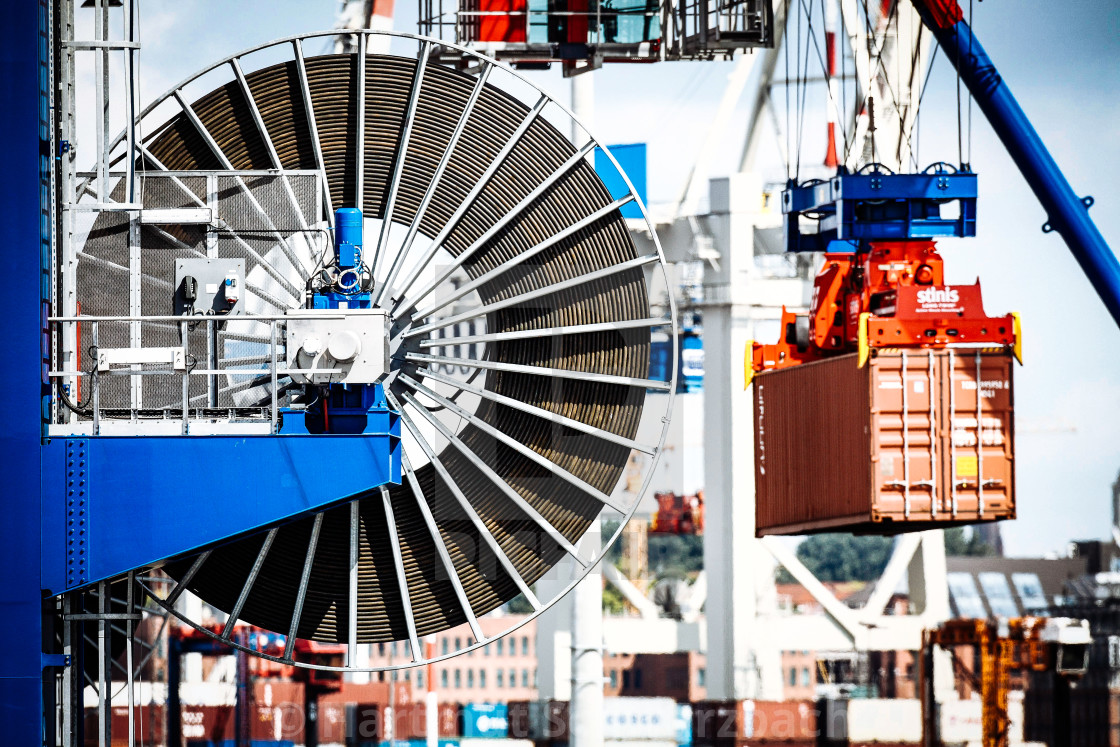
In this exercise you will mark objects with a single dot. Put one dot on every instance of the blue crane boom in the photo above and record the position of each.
(1068, 214)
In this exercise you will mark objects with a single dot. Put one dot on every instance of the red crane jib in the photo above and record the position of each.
(678, 514)
(891, 296)
(944, 13)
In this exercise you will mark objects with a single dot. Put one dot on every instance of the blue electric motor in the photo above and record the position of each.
(348, 237)
(349, 288)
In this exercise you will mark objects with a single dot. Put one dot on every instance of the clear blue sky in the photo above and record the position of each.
(1062, 60)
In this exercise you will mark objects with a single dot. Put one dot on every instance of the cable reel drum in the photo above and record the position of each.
(518, 315)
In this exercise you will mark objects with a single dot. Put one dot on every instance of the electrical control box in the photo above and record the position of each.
(209, 286)
(338, 346)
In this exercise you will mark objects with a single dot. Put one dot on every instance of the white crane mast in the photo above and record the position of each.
(889, 52)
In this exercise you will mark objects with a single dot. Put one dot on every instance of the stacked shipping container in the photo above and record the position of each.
(745, 723)
(1093, 700)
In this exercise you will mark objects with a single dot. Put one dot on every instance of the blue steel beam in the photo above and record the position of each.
(116, 504)
(25, 232)
(1068, 214)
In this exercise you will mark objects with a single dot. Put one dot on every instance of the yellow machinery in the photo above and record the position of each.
(1040, 644)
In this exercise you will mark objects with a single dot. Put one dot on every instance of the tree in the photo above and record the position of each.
(613, 601)
(668, 553)
(845, 557)
(959, 542)
(676, 553)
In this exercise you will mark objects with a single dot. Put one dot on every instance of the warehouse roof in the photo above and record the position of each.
(1009, 587)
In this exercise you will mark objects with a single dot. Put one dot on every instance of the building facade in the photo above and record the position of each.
(503, 670)
(681, 676)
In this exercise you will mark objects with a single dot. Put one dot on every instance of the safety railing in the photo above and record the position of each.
(544, 22)
(704, 27)
(230, 372)
(543, 30)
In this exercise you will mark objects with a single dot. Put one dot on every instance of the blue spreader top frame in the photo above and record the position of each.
(879, 206)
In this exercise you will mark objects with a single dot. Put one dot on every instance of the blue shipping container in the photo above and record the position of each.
(684, 724)
(632, 159)
(690, 360)
(660, 357)
(692, 364)
(630, 21)
(489, 720)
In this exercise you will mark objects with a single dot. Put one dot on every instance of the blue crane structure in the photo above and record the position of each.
(62, 493)
(58, 486)
(915, 196)
(1068, 213)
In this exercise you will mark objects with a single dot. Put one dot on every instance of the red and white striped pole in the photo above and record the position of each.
(380, 15)
(831, 27)
(364, 14)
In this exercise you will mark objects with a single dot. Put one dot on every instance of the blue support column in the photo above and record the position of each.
(24, 244)
(1068, 213)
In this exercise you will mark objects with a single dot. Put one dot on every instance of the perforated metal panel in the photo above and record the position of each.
(272, 221)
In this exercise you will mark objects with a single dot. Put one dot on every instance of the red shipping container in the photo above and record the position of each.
(911, 440)
(729, 722)
(509, 22)
(369, 692)
(332, 723)
(278, 711)
(449, 720)
(715, 722)
(782, 721)
(370, 723)
(209, 723)
(148, 721)
(411, 722)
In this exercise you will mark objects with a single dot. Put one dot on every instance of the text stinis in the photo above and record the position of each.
(938, 295)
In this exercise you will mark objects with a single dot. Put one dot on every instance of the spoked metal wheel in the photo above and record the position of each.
(521, 310)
